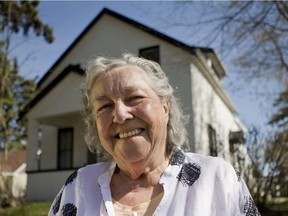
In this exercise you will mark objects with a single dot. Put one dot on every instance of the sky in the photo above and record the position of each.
(69, 18)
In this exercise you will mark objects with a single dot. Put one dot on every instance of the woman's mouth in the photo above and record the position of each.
(129, 133)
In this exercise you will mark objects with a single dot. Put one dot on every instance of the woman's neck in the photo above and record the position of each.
(148, 170)
(139, 186)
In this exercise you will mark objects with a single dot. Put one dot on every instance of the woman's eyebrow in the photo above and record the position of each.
(128, 90)
(134, 88)
(101, 98)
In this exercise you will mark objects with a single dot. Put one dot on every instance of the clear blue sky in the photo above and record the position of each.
(69, 19)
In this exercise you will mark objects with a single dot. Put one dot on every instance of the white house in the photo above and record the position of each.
(55, 129)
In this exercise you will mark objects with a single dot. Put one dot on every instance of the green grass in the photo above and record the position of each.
(280, 206)
(28, 209)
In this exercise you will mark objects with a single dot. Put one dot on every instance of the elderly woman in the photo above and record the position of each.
(134, 122)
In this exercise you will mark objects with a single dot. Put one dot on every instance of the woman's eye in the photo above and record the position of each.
(104, 107)
(136, 98)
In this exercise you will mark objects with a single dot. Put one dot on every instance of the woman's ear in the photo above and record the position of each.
(166, 110)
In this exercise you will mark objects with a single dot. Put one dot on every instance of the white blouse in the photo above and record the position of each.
(193, 185)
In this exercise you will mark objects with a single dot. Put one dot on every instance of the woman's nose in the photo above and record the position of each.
(121, 112)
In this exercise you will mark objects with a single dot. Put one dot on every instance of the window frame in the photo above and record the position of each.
(60, 151)
(150, 49)
(213, 145)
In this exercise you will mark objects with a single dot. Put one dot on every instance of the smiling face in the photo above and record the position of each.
(131, 119)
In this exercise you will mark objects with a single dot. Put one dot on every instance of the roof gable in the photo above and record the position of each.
(56, 73)
(105, 11)
(48, 88)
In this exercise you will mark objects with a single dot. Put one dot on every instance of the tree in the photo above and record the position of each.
(281, 103)
(269, 152)
(256, 30)
(15, 90)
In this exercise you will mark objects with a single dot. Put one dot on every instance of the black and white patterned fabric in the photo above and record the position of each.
(238, 175)
(189, 174)
(178, 157)
(56, 204)
(69, 209)
(250, 208)
(193, 185)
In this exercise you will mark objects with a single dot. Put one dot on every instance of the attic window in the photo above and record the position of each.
(151, 53)
(236, 137)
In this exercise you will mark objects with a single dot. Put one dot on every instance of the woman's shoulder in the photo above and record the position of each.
(94, 170)
(205, 159)
(90, 171)
(216, 166)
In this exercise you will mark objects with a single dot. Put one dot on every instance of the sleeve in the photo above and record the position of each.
(246, 202)
(63, 204)
(242, 199)
(55, 207)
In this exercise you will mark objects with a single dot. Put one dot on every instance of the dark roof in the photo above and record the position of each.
(11, 161)
(133, 23)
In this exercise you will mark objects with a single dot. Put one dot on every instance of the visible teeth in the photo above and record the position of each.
(130, 133)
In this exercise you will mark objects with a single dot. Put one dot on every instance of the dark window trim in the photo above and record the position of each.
(58, 147)
(150, 48)
(51, 170)
(212, 136)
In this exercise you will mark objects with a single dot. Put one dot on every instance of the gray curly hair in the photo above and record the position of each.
(176, 131)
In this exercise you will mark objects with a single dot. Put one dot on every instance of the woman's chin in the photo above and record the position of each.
(133, 156)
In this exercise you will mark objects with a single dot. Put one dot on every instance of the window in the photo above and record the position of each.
(235, 138)
(212, 140)
(65, 148)
(151, 53)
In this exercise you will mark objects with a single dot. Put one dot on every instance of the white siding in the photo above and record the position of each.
(49, 147)
(45, 186)
(60, 108)
(209, 108)
(63, 98)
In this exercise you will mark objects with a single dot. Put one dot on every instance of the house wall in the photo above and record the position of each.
(59, 109)
(176, 65)
(62, 99)
(209, 108)
(45, 185)
(49, 142)
(48, 159)
(47, 171)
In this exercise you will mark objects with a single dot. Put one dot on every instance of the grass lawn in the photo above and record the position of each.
(42, 208)
(281, 206)
(28, 209)
(280, 209)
